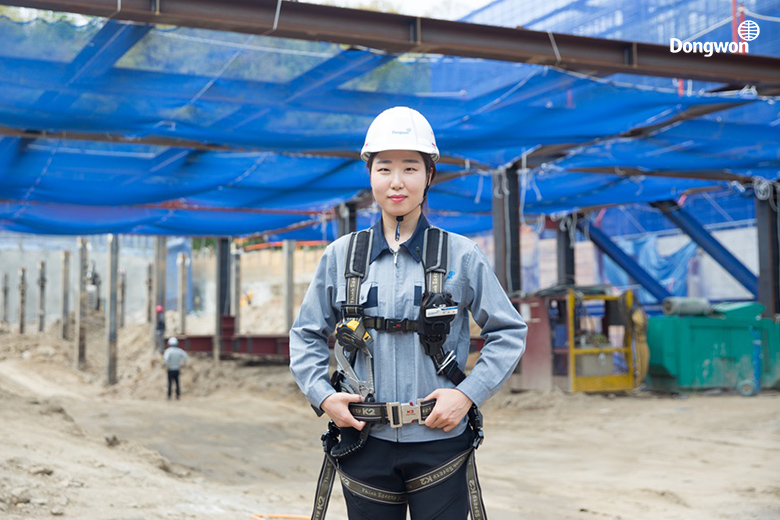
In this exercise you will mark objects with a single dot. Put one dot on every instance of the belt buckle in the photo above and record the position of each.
(399, 414)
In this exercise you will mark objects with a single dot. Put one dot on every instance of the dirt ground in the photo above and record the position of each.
(243, 442)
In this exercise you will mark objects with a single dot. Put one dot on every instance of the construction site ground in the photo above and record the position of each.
(243, 441)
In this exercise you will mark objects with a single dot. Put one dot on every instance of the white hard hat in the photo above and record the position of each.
(400, 128)
(173, 342)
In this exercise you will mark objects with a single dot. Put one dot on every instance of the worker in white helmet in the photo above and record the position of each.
(404, 416)
(174, 358)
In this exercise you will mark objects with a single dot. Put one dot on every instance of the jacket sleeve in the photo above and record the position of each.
(503, 330)
(317, 317)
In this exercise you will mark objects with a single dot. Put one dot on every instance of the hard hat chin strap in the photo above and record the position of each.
(401, 218)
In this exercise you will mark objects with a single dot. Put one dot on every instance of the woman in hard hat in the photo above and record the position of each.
(415, 403)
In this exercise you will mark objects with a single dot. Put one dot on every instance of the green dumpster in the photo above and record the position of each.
(730, 347)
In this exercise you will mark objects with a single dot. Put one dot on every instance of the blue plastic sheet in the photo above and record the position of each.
(292, 116)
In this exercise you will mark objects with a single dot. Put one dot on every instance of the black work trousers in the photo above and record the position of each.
(173, 377)
(387, 465)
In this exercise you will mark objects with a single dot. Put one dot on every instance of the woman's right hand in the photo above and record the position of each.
(337, 407)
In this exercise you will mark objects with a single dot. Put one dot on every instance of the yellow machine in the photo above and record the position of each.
(571, 349)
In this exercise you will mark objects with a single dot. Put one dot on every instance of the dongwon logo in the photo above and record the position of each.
(747, 30)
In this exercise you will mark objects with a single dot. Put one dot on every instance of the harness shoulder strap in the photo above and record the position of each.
(358, 254)
(435, 244)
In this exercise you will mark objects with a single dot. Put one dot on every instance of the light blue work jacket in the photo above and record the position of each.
(393, 288)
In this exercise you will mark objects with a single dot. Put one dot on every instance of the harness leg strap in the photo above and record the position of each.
(324, 488)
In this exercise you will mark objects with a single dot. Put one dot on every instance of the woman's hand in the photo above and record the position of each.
(337, 407)
(451, 407)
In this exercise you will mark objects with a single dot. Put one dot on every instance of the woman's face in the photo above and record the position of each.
(398, 180)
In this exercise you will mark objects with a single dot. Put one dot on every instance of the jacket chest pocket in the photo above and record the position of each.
(369, 295)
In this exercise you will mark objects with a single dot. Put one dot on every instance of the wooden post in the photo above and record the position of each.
(41, 295)
(65, 322)
(111, 308)
(22, 297)
(81, 329)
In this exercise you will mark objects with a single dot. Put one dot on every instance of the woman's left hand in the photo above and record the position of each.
(451, 407)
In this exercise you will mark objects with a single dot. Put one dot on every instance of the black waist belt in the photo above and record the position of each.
(390, 325)
(394, 414)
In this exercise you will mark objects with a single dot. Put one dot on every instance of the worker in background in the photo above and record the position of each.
(160, 327)
(404, 418)
(174, 358)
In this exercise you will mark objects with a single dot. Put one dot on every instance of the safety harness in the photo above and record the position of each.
(437, 310)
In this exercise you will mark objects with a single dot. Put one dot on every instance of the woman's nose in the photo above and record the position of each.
(396, 181)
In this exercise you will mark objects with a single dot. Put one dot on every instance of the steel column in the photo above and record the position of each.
(181, 263)
(65, 323)
(111, 308)
(565, 255)
(499, 228)
(628, 264)
(347, 221)
(159, 283)
(22, 297)
(288, 253)
(683, 220)
(223, 292)
(5, 298)
(236, 256)
(149, 292)
(41, 296)
(122, 298)
(81, 329)
(768, 224)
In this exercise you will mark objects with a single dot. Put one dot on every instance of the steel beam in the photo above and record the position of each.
(398, 34)
(628, 264)
(683, 220)
(110, 43)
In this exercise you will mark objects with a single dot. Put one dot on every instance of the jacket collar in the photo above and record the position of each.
(412, 245)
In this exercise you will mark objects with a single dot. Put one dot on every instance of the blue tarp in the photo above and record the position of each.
(292, 114)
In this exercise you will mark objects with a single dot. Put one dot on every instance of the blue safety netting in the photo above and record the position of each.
(259, 134)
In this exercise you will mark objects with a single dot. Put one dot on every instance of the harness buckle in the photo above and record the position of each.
(391, 325)
(399, 414)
